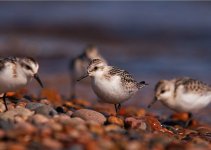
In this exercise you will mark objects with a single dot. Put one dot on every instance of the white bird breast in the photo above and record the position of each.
(193, 102)
(110, 90)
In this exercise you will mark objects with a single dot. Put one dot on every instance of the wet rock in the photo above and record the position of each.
(10, 114)
(153, 123)
(46, 110)
(134, 123)
(34, 105)
(90, 115)
(116, 120)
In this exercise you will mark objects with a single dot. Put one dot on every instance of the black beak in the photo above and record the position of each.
(152, 103)
(38, 80)
(83, 77)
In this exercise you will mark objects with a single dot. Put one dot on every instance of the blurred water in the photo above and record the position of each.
(152, 40)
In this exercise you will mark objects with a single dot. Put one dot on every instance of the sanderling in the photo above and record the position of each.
(78, 65)
(15, 73)
(111, 84)
(183, 94)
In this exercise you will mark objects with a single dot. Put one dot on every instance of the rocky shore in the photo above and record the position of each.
(49, 121)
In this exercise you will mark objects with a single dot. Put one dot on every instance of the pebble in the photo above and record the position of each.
(116, 120)
(34, 105)
(141, 113)
(6, 124)
(38, 119)
(114, 128)
(75, 147)
(135, 123)
(10, 114)
(52, 144)
(96, 128)
(46, 110)
(90, 115)
(2, 107)
(77, 120)
(153, 123)
(25, 127)
(82, 102)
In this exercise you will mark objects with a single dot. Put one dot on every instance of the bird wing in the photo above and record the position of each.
(4, 60)
(192, 85)
(127, 79)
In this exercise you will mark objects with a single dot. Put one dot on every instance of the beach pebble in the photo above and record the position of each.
(114, 128)
(16, 146)
(96, 128)
(90, 115)
(6, 124)
(116, 120)
(2, 107)
(46, 110)
(153, 123)
(69, 113)
(25, 127)
(141, 113)
(52, 144)
(134, 123)
(38, 119)
(34, 105)
(45, 101)
(82, 102)
(77, 120)
(10, 114)
(75, 147)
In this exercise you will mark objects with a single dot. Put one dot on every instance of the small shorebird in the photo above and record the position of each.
(183, 94)
(78, 65)
(111, 84)
(15, 73)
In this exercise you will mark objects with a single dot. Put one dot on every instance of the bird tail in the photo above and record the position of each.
(142, 84)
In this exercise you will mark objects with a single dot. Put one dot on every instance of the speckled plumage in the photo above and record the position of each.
(183, 94)
(127, 79)
(16, 72)
(192, 85)
(111, 84)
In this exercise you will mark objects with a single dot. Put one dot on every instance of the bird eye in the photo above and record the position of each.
(162, 91)
(28, 67)
(95, 68)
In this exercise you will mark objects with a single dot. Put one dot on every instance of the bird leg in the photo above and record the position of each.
(190, 118)
(4, 99)
(117, 107)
